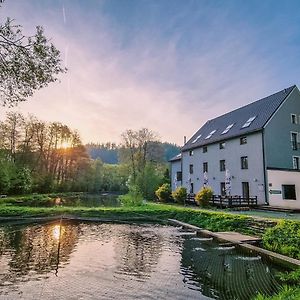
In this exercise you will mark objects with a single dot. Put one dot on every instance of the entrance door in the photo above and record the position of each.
(245, 187)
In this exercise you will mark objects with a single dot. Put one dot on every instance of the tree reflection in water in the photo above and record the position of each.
(38, 249)
(138, 251)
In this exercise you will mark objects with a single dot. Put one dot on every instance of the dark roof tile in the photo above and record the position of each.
(262, 110)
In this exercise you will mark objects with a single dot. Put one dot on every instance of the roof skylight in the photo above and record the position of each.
(196, 139)
(209, 136)
(248, 123)
(227, 128)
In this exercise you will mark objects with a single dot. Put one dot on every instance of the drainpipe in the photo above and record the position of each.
(265, 169)
(181, 163)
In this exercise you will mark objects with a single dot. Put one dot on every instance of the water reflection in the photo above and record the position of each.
(109, 261)
(56, 232)
(34, 249)
(138, 251)
(223, 272)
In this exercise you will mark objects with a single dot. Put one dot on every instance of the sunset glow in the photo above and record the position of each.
(159, 64)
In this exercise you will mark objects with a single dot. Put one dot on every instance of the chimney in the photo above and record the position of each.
(184, 140)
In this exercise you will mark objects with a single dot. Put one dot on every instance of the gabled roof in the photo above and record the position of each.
(257, 113)
(176, 157)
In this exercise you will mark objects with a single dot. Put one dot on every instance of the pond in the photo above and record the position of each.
(122, 261)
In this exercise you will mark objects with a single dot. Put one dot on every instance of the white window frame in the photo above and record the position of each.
(227, 128)
(211, 133)
(249, 122)
(294, 165)
(297, 138)
(296, 118)
(196, 139)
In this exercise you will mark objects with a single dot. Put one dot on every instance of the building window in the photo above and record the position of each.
(205, 167)
(244, 162)
(294, 119)
(192, 188)
(210, 134)
(296, 165)
(289, 192)
(222, 145)
(223, 189)
(196, 139)
(204, 149)
(179, 176)
(227, 128)
(243, 140)
(222, 165)
(191, 152)
(191, 169)
(249, 121)
(245, 190)
(294, 140)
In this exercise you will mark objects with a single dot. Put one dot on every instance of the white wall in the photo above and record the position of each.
(277, 178)
(175, 167)
(232, 155)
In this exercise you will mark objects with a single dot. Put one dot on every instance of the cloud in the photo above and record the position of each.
(169, 80)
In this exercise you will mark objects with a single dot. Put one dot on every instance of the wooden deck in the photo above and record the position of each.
(236, 238)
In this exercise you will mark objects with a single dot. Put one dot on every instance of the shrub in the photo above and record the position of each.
(134, 197)
(163, 193)
(203, 196)
(179, 195)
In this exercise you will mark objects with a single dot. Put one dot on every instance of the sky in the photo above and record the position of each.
(165, 65)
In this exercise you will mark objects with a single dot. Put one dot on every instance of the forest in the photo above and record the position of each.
(42, 157)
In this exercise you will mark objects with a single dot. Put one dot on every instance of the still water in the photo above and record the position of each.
(108, 261)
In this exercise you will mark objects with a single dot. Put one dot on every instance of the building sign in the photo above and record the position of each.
(275, 192)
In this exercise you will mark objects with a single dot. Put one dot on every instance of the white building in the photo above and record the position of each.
(258, 145)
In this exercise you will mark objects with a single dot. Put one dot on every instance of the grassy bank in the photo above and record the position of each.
(280, 236)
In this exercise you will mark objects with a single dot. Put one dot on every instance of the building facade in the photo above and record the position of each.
(251, 151)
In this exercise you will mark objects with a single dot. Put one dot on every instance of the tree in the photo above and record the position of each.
(136, 150)
(27, 63)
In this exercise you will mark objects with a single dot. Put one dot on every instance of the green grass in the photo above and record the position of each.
(287, 293)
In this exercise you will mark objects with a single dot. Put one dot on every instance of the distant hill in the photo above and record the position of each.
(108, 152)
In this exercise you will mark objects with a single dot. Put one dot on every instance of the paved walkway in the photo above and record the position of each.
(269, 214)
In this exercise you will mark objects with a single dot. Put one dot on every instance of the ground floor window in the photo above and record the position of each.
(245, 189)
(289, 191)
(192, 188)
(222, 188)
(179, 176)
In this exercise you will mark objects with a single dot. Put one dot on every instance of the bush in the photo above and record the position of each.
(163, 193)
(134, 197)
(203, 196)
(179, 195)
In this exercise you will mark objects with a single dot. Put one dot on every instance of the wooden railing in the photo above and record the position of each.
(227, 201)
(233, 201)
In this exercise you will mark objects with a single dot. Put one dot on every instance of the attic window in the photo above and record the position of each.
(209, 136)
(196, 139)
(248, 123)
(227, 128)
